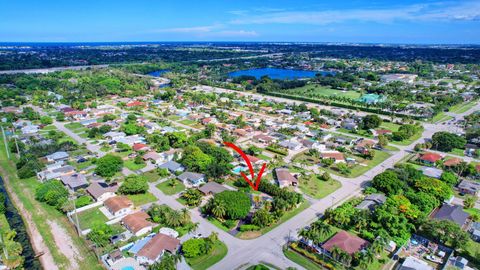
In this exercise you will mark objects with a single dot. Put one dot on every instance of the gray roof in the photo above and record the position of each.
(371, 201)
(431, 172)
(171, 166)
(212, 187)
(190, 176)
(454, 213)
(58, 155)
(469, 185)
(97, 189)
(74, 181)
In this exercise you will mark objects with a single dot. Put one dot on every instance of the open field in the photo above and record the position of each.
(316, 188)
(90, 217)
(141, 199)
(314, 91)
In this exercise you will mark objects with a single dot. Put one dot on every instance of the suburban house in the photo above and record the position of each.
(101, 191)
(140, 147)
(453, 213)
(114, 135)
(172, 166)
(254, 160)
(74, 181)
(54, 171)
(57, 156)
(137, 223)
(285, 178)
(291, 145)
(131, 140)
(310, 144)
(430, 158)
(211, 188)
(30, 129)
(413, 263)
(372, 201)
(262, 138)
(346, 242)
(153, 156)
(431, 172)
(469, 187)
(192, 179)
(363, 145)
(335, 155)
(76, 115)
(452, 162)
(118, 206)
(154, 249)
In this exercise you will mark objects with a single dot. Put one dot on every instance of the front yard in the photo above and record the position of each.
(131, 165)
(316, 188)
(205, 261)
(168, 189)
(141, 199)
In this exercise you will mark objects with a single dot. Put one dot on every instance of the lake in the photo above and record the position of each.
(278, 73)
(158, 73)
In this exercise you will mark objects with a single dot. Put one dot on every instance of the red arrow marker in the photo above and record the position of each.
(250, 167)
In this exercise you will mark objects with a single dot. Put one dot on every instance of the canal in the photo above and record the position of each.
(16, 223)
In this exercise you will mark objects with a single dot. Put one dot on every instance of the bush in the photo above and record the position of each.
(83, 200)
(53, 193)
(277, 150)
(193, 247)
(236, 203)
(229, 223)
(249, 227)
(108, 165)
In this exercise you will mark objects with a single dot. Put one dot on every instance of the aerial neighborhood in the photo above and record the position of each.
(369, 163)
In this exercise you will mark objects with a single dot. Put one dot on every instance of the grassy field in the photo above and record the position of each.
(316, 91)
(187, 122)
(316, 188)
(168, 189)
(458, 152)
(441, 117)
(141, 199)
(40, 213)
(301, 260)
(90, 217)
(358, 170)
(205, 261)
(131, 165)
(462, 107)
(152, 176)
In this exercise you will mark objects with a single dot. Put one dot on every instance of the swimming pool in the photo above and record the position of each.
(239, 169)
(128, 268)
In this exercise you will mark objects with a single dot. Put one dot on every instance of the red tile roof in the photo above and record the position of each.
(452, 161)
(431, 157)
(383, 131)
(334, 155)
(347, 242)
(139, 146)
(135, 103)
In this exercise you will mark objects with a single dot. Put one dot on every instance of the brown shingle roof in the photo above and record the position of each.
(137, 221)
(212, 187)
(347, 242)
(155, 247)
(284, 176)
(97, 189)
(334, 155)
(117, 203)
(452, 162)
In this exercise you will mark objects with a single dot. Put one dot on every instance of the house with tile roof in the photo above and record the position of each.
(346, 242)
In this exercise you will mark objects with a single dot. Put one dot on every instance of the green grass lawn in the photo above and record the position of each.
(168, 189)
(131, 165)
(74, 125)
(174, 117)
(288, 215)
(105, 148)
(301, 260)
(472, 211)
(218, 224)
(90, 217)
(358, 170)
(462, 107)
(472, 252)
(141, 199)
(441, 117)
(458, 152)
(316, 188)
(187, 122)
(152, 176)
(314, 91)
(205, 261)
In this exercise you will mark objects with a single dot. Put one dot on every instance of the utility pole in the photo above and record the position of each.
(79, 230)
(5, 142)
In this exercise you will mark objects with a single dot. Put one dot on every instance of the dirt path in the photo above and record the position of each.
(36, 238)
(65, 244)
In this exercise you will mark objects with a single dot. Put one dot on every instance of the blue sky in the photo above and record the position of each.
(376, 21)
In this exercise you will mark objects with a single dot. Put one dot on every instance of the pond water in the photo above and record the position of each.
(16, 223)
(158, 73)
(278, 73)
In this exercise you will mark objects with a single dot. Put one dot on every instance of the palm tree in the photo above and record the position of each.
(218, 210)
(173, 182)
(174, 219)
(185, 215)
(322, 229)
(377, 246)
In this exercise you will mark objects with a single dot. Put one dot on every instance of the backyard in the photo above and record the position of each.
(90, 217)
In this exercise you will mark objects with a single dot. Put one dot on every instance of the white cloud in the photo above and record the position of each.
(423, 12)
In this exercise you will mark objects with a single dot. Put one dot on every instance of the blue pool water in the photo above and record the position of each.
(128, 268)
(239, 169)
(278, 73)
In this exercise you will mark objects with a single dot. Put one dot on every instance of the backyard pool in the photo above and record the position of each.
(239, 169)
